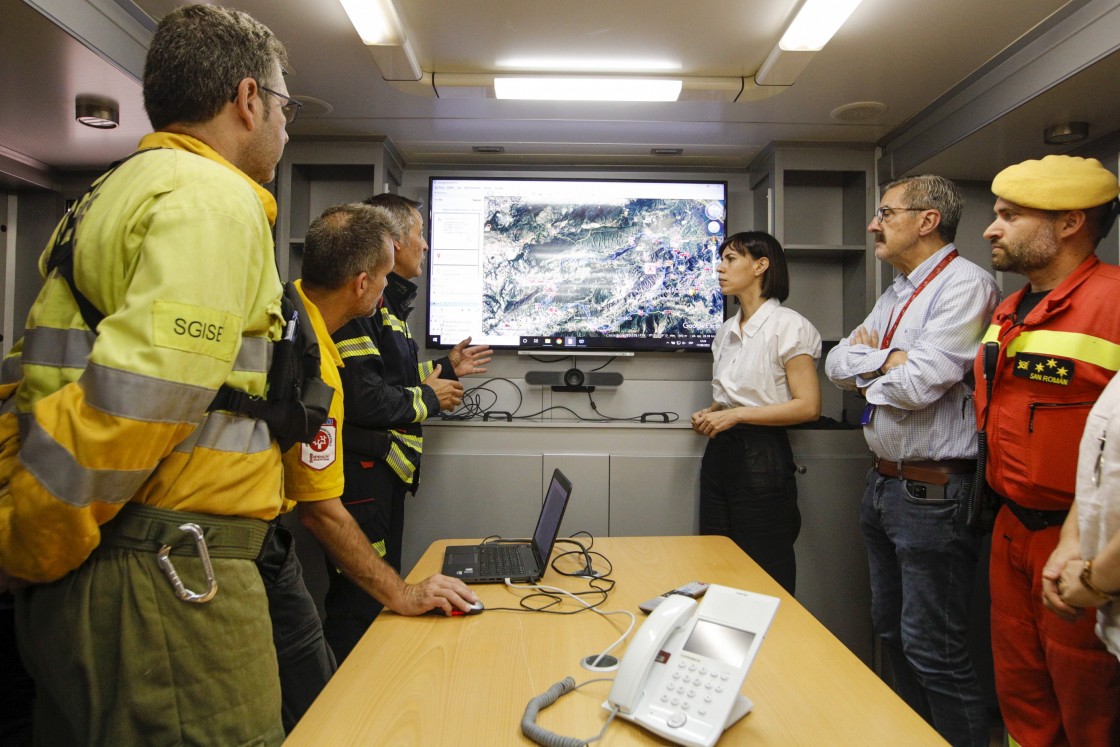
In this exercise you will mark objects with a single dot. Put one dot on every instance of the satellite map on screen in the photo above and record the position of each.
(639, 267)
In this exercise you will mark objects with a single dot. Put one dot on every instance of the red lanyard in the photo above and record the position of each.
(921, 286)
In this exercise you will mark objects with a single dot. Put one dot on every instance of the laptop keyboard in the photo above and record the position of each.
(501, 560)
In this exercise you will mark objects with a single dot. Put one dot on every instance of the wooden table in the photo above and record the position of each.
(464, 681)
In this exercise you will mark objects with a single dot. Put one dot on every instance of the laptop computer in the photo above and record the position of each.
(494, 562)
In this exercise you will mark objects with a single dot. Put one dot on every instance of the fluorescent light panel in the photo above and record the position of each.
(376, 21)
(586, 88)
(582, 65)
(816, 23)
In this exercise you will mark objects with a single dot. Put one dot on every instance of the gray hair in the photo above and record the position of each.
(931, 192)
(402, 210)
(343, 242)
(198, 56)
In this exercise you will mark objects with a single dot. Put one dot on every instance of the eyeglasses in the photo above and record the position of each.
(290, 109)
(885, 212)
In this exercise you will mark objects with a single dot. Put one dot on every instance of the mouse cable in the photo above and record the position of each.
(593, 608)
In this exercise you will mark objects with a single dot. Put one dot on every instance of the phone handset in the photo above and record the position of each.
(629, 683)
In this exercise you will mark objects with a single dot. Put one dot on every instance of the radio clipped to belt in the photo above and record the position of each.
(982, 503)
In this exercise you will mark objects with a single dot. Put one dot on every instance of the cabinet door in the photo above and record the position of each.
(832, 575)
(471, 496)
(654, 496)
(588, 507)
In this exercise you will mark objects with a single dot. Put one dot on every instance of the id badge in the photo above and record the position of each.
(868, 412)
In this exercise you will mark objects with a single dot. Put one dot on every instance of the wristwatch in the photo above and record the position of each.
(1086, 572)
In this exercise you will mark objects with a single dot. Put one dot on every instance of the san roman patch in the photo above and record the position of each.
(1047, 369)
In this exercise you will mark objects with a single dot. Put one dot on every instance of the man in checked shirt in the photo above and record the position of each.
(909, 359)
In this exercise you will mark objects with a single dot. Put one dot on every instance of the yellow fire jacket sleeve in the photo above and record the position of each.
(175, 247)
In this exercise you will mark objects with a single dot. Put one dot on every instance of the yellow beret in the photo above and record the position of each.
(1057, 183)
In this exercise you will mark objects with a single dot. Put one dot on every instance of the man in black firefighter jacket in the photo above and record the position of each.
(388, 394)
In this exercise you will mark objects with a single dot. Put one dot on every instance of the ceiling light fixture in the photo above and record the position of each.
(576, 87)
(97, 111)
(1065, 133)
(380, 28)
(376, 21)
(816, 22)
(586, 88)
(587, 65)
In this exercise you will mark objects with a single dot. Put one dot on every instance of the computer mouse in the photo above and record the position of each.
(474, 609)
(456, 612)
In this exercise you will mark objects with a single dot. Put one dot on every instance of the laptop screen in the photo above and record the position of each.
(548, 525)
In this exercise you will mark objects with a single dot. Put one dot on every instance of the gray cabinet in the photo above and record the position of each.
(655, 496)
(817, 201)
(313, 176)
(832, 575)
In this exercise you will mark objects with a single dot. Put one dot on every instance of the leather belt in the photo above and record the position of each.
(925, 470)
(1036, 519)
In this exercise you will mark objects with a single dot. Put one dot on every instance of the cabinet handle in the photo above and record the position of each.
(801, 469)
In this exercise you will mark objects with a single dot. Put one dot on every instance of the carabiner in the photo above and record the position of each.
(185, 594)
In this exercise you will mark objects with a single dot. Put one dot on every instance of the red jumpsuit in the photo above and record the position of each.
(1057, 684)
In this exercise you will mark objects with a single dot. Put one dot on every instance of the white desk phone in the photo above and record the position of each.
(681, 675)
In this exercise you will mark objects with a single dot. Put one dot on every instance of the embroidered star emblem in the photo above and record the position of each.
(1051, 363)
(1063, 371)
(1040, 368)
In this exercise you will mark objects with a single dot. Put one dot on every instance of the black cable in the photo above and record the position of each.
(672, 417)
(600, 585)
(471, 406)
(600, 368)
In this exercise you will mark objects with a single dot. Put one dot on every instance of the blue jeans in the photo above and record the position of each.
(922, 558)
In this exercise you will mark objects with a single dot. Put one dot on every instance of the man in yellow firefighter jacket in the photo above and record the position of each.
(122, 476)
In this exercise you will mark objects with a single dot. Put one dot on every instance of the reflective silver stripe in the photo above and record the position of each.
(139, 397)
(400, 464)
(11, 369)
(64, 348)
(221, 431)
(57, 471)
(70, 348)
(418, 407)
(254, 356)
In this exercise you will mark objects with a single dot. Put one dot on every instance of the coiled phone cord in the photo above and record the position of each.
(543, 736)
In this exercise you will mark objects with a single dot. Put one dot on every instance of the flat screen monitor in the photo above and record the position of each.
(575, 264)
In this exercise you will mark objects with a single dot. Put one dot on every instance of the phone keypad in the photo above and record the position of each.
(688, 682)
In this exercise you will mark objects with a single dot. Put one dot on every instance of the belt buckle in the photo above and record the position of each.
(181, 591)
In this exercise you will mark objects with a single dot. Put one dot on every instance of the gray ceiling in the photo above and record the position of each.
(921, 59)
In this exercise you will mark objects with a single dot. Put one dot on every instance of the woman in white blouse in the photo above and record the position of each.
(764, 379)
